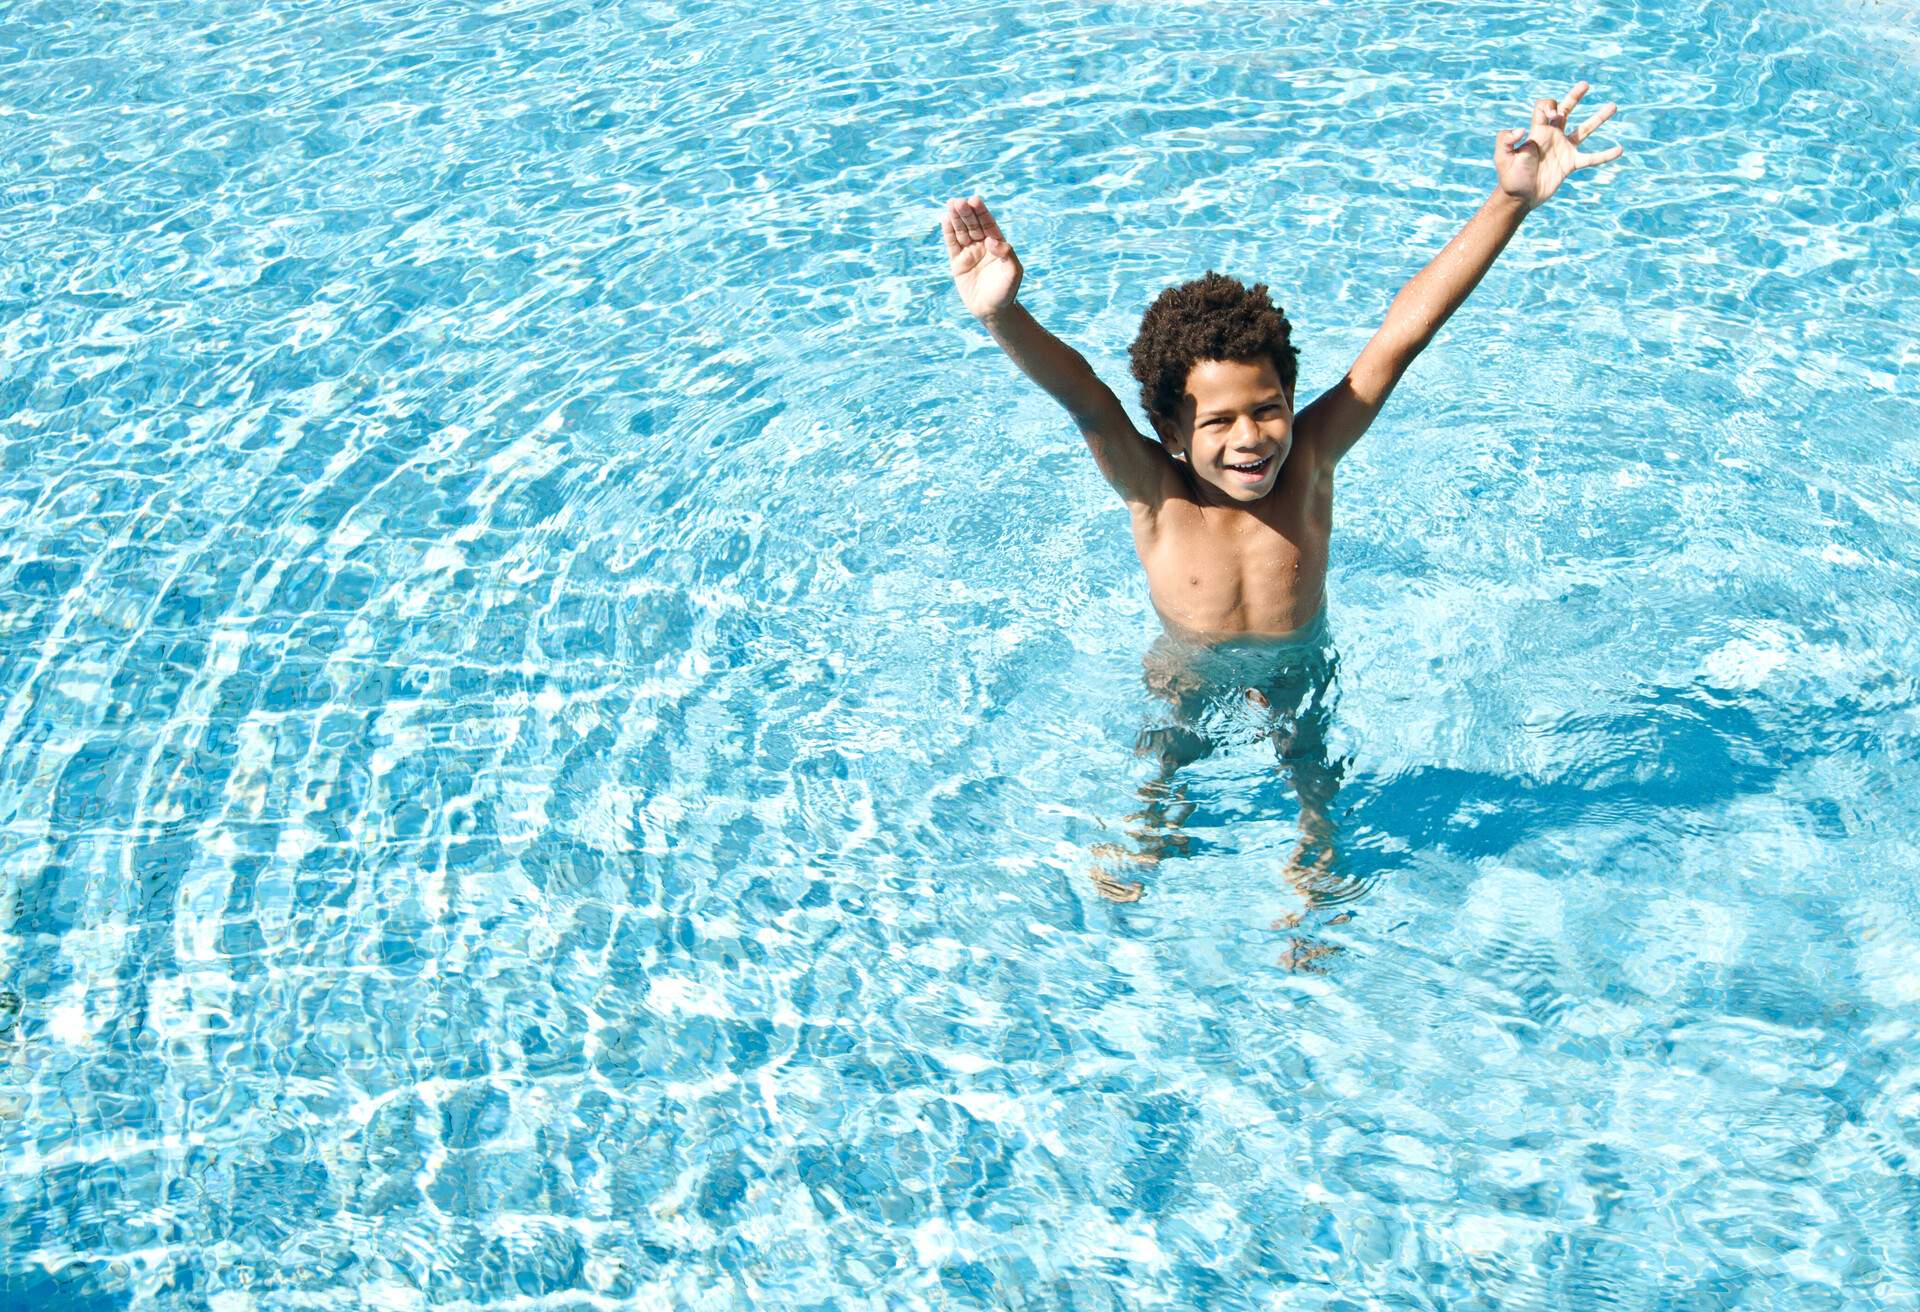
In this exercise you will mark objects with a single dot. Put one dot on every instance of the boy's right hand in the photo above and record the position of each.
(985, 269)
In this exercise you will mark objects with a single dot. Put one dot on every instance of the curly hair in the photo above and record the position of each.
(1211, 318)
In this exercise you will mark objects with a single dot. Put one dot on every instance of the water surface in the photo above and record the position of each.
(555, 691)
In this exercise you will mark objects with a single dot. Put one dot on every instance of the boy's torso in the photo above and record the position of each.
(1255, 569)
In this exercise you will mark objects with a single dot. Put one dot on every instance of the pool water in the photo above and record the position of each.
(556, 692)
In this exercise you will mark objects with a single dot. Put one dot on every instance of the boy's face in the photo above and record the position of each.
(1235, 426)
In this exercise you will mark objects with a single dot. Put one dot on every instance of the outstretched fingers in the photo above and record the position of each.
(1585, 130)
(1573, 98)
(987, 224)
(968, 223)
(970, 218)
(1598, 157)
(954, 220)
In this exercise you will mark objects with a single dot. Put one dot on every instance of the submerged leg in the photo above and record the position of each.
(1302, 717)
(1316, 869)
(1155, 830)
(1163, 802)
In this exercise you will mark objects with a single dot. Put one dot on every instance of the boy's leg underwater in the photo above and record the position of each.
(1316, 870)
(1315, 866)
(1155, 827)
(1303, 711)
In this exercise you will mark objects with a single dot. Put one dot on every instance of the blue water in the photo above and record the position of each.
(555, 691)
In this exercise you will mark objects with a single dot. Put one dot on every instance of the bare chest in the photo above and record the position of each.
(1233, 571)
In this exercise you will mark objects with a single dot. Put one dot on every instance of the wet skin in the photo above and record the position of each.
(1229, 553)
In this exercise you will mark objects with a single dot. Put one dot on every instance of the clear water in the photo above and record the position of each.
(556, 690)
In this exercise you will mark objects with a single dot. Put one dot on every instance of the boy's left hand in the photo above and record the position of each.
(1536, 170)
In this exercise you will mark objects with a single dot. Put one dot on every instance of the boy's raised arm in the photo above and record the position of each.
(987, 274)
(1527, 177)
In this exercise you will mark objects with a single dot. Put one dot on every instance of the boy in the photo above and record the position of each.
(1233, 506)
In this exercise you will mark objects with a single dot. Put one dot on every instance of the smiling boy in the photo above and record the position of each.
(1232, 507)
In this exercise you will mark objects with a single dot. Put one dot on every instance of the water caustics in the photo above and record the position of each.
(555, 695)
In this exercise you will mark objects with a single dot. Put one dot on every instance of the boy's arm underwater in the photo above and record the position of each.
(1531, 167)
(987, 274)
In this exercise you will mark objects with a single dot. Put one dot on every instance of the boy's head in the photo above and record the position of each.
(1216, 364)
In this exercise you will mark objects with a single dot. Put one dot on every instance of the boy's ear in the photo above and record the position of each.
(1169, 434)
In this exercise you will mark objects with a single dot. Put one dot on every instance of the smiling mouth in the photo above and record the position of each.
(1252, 469)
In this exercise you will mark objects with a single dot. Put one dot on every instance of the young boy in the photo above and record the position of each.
(1233, 506)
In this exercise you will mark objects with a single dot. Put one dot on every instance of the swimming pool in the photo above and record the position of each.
(557, 690)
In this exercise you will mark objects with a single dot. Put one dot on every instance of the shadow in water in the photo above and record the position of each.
(1674, 755)
(1671, 757)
